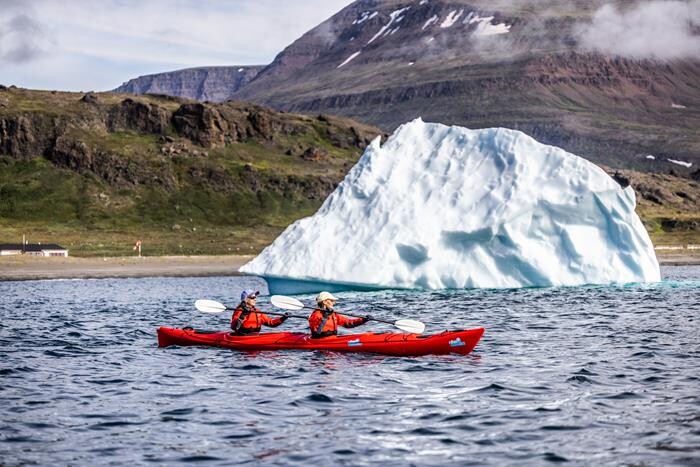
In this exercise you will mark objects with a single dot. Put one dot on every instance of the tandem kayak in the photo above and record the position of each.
(460, 342)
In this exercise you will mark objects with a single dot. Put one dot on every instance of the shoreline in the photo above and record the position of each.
(682, 259)
(23, 268)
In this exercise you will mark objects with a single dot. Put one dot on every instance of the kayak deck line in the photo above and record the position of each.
(390, 343)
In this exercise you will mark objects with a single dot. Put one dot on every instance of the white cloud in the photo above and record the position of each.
(22, 37)
(657, 29)
(110, 41)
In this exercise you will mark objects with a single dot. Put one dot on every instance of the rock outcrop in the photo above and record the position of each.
(200, 123)
(144, 117)
(133, 141)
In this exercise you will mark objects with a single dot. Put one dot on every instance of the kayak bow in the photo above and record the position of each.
(460, 342)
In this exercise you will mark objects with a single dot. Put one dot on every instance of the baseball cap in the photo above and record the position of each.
(325, 296)
(248, 293)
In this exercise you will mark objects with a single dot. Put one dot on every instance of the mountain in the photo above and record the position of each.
(487, 63)
(490, 63)
(95, 172)
(215, 84)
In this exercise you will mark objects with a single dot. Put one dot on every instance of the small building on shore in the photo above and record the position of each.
(32, 249)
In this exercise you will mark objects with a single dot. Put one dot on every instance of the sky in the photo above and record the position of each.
(83, 45)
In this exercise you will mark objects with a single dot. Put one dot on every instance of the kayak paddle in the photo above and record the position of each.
(212, 306)
(407, 325)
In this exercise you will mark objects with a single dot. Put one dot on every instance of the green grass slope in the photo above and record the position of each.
(175, 195)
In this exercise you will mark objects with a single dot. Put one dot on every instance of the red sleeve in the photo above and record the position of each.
(267, 321)
(347, 322)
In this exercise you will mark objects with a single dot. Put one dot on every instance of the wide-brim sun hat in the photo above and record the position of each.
(325, 296)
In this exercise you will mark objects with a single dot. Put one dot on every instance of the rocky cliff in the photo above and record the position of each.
(215, 84)
(106, 162)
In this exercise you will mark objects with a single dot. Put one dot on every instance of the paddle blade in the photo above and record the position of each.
(410, 325)
(209, 306)
(287, 303)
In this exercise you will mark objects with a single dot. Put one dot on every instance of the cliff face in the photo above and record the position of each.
(215, 84)
(99, 159)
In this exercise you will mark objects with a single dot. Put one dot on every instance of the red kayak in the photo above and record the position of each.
(460, 342)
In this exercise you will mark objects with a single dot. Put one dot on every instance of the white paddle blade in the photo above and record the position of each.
(209, 306)
(410, 325)
(287, 303)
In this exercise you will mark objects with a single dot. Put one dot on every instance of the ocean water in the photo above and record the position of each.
(584, 375)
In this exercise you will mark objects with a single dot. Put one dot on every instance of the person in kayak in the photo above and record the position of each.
(324, 320)
(248, 319)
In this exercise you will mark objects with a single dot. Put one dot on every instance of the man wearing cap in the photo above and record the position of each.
(324, 321)
(248, 319)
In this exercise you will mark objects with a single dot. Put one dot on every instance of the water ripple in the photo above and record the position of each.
(581, 375)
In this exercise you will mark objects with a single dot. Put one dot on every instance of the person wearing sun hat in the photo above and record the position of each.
(324, 320)
(248, 319)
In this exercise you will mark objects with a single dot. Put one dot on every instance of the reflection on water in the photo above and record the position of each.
(587, 374)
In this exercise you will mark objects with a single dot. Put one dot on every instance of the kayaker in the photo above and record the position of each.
(248, 319)
(324, 320)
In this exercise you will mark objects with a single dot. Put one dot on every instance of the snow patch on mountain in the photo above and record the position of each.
(451, 18)
(484, 26)
(683, 163)
(366, 15)
(448, 207)
(347, 60)
(394, 16)
(430, 21)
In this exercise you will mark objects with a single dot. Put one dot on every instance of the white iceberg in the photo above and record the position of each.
(447, 207)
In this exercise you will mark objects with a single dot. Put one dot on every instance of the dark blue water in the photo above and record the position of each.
(592, 375)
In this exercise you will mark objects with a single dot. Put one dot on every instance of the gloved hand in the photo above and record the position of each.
(367, 318)
(284, 317)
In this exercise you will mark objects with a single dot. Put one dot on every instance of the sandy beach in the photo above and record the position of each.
(679, 258)
(29, 268)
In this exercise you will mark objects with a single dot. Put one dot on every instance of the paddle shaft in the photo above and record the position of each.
(275, 313)
(353, 315)
(406, 325)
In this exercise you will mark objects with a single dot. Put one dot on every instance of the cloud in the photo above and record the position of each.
(22, 38)
(127, 38)
(663, 30)
(326, 33)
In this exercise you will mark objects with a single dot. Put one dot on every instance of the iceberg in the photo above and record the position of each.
(442, 206)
